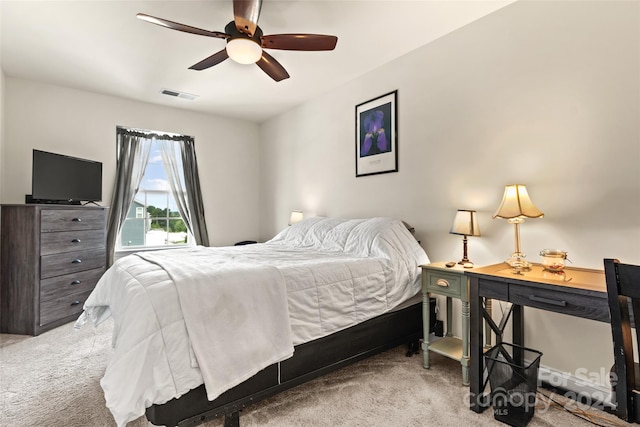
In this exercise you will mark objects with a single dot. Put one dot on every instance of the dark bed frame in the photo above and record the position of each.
(310, 360)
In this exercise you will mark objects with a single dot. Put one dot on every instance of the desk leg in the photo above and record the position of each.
(518, 325)
(477, 401)
(426, 326)
(487, 328)
(518, 334)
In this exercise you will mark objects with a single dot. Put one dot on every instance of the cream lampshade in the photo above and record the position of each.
(515, 207)
(296, 216)
(465, 224)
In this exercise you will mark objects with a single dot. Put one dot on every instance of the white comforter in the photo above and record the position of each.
(249, 300)
(336, 273)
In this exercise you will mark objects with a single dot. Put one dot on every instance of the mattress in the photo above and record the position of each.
(337, 273)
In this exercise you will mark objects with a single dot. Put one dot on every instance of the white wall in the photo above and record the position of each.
(541, 93)
(83, 124)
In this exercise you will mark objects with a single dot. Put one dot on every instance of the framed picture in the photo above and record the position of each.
(377, 135)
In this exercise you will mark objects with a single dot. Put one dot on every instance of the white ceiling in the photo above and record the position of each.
(101, 46)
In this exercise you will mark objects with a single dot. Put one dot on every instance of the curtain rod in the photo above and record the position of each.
(153, 134)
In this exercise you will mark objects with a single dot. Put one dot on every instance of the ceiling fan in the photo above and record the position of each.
(245, 40)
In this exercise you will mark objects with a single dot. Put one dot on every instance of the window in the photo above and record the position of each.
(153, 219)
(132, 222)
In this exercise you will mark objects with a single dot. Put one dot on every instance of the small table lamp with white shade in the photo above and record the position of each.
(465, 224)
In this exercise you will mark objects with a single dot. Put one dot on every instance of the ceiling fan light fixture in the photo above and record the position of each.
(243, 50)
(245, 40)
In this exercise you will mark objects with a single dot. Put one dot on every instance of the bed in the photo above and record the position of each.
(203, 332)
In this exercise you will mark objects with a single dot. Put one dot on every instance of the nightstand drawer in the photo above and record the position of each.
(445, 284)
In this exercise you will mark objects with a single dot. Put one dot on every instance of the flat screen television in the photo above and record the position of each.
(57, 178)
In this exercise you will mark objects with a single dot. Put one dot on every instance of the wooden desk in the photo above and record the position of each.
(577, 292)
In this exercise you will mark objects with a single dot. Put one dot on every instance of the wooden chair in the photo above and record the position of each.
(623, 288)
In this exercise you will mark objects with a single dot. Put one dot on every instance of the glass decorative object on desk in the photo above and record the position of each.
(553, 259)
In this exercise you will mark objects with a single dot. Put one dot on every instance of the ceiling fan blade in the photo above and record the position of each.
(246, 14)
(272, 67)
(299, 42)
(182, 27)
(214, 59)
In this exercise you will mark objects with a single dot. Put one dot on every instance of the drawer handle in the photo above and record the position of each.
(76, 241)
(442, 282)
(548, 301)
(77, 220)
(76, 261)
(75, 282)
(76, 303)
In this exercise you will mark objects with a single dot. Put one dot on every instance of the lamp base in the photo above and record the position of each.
(518, 263)
(465, 259)
(465, 263)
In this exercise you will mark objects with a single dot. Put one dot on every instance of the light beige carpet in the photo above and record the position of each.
(53, 380)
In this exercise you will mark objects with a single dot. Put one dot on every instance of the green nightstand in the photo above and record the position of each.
(450, 282)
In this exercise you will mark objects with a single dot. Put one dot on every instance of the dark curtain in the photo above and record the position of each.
(132, 151)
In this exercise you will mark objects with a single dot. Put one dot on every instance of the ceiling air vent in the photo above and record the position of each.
(177, 94)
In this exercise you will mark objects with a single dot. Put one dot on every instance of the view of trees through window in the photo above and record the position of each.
(153, 219)
(159, 219)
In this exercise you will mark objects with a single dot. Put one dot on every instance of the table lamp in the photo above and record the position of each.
(515, 207)
(296, 216)
(465, 224)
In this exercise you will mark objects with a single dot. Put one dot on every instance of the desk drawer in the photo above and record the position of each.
(445, 284)
(587, 306)
(493, 290)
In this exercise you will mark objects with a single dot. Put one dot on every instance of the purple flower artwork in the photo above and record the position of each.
(374, 122)
(376, 142)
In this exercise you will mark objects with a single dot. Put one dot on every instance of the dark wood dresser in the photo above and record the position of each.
(51, 259)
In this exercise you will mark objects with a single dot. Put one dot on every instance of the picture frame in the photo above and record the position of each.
(376, 140)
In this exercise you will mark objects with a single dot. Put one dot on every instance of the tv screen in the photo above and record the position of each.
(56, 177)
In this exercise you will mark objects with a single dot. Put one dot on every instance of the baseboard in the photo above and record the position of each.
(579, 387)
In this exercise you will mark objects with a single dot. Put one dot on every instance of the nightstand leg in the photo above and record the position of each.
(449, 317)
(465, 343)
(426, 326)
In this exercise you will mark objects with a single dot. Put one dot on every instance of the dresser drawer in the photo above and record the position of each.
(71, 262)
(445, 284)
(67, 241)
(72, 219)
(59, 308)
(60, 286)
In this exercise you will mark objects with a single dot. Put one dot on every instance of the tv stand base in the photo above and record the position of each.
(28, 199)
